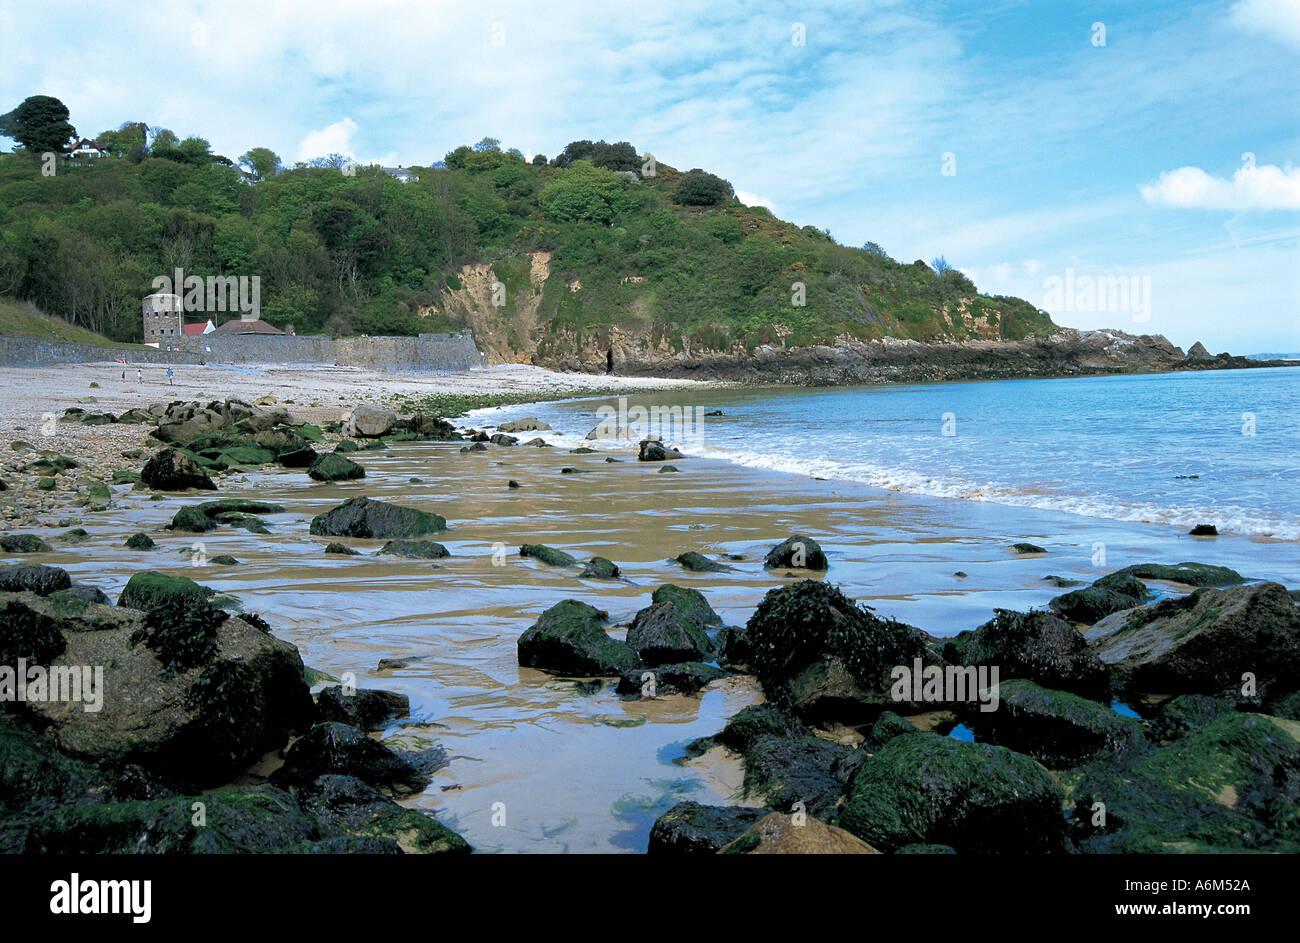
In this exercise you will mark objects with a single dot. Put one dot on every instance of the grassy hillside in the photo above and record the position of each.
(579, 245)
(23, 318)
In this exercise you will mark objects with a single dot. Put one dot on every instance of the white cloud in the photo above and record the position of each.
(753, 199)
(1279, 19)
(332, 139)
(1264, 187)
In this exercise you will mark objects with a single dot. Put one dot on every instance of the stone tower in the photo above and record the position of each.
(164, 318)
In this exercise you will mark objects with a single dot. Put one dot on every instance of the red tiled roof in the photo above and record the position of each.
(196, 328)
(247, 327)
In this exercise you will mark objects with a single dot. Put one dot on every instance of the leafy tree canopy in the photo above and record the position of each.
(40, 124)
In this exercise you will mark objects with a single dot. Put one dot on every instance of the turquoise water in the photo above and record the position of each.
(1218, 447)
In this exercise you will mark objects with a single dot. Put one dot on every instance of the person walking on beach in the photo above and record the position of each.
(169, 376)
(139, 375)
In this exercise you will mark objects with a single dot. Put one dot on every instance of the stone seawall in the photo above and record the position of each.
(427, 353)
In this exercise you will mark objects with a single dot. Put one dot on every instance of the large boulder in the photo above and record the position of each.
(1037, 646)
(23, 543)
(817, 652)
(415, 549)
(799, 552)
(570, 638)
(920, 788)
(1205, 642)
(172, 470)
(180, 687)
(1057, 728)
(362, 517)
(531, 424)
(661, 635)
(369, 422)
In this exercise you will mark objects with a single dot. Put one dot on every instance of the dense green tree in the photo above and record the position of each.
(262, 162)
(125, 139)
(698, 188)
(39, 124)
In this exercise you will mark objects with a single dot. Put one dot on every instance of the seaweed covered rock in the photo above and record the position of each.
(140, 541)
(23, 543)
(1108, 595)
(415, 549)
(362, 517)
(733, 647)
(660, 634)
(1190, 574)
(1057, 728)
(599, 568)
(798, 552)
(334, 467)
(172, 470)
(780, 834)
(548, 555)
(152, 590)
(1231, 785)
(208, 693)
(699, 563)
(363, 708)
(1036, 646)
(691, 828)
(39, 579)
(690, 603)
(236, 821)
(799, 772)
(570, 638)
(332, 747)
(1205, 642)
(817, 652)
(975, 797)
(351, 806)
(683, 678)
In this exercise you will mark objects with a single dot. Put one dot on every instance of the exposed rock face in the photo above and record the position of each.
(1066, 352)
(1205, 642)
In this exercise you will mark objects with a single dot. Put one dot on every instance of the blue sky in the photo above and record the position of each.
(1073, 157)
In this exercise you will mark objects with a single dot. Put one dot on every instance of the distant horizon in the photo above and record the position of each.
(1024, 145)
